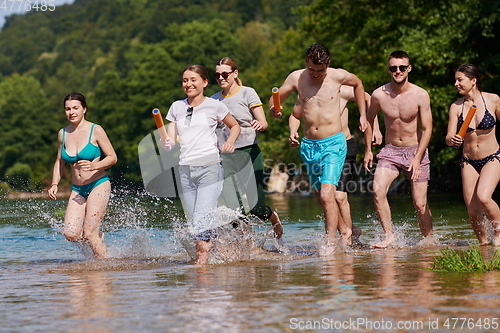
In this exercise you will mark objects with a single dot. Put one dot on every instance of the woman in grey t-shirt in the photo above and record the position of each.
(245, 105)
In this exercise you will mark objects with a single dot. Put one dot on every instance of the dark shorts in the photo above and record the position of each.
(399, 159)
(349, 166)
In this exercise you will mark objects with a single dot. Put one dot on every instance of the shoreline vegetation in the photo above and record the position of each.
(15, 195)
(474, 259)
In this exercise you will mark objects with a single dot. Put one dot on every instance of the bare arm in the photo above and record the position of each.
(57, 171)
(170, 142)
(294, 125)
(234, 132)
(497, 106)
(377, 134)
(260, 121)
(425, 116)
(359, 95)
(452, 138)
(347, 93)
(373, 109)
(285, 90)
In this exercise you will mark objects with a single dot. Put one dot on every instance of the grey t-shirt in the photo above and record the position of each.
(240, 105)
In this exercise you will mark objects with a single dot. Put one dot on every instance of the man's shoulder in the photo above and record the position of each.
(293, 77)
(416, 87)
(418, 90)
(381, 90)
(337, 73)
(296, 73)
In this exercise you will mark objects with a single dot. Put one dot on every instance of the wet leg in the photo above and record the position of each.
(97, 202)
(470, 179)
(419, 195)
(381, 183)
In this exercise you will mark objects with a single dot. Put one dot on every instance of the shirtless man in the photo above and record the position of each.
(406, 107)
(323, 149)
(347, 94)
(345, 219)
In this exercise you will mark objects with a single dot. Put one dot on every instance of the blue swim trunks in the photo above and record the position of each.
(324, 159)
(84, 190)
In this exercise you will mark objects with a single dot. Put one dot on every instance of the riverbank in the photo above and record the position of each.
(17, 195)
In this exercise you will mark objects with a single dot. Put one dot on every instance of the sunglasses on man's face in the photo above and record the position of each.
(402, 68)
(224, 75)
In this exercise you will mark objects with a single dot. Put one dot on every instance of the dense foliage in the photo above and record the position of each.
(126, 57)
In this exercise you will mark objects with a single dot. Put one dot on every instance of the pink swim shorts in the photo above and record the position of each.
(399, 158)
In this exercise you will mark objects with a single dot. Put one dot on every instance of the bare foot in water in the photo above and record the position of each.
(202, 252)
(277, 226)
(389, 238)
(356, 233)
(346, 237)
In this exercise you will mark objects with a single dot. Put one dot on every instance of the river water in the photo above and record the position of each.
(150, 284)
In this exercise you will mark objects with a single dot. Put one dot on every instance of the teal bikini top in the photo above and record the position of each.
(89, 153)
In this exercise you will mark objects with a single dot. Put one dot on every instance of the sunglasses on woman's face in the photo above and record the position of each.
(402, 68)
(224, 75)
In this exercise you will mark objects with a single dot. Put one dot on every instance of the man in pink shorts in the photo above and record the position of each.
(408, 122)
(399, 159)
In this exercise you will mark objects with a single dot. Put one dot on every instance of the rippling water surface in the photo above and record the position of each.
(151, 285)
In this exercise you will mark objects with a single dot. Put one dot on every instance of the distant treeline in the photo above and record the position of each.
(126, 56)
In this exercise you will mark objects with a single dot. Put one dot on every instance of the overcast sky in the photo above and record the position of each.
(9, 7)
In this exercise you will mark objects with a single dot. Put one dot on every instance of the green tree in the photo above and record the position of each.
(28, 131)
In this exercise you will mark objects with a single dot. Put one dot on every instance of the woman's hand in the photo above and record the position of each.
(227, 147)
(457, 141)
(87, 165)
(167, 144)
(256, 125)
(53, 191)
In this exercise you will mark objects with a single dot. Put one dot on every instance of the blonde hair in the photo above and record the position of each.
(231, 63)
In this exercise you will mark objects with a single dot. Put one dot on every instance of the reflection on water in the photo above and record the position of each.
(151, 286)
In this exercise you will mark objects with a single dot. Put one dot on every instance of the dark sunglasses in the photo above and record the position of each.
(224, 75)
(402, 68)
(189, 113)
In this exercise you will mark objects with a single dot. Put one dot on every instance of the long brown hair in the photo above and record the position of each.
(231, 63)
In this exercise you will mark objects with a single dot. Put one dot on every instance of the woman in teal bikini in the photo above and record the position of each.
(480, 159)
(81, 145)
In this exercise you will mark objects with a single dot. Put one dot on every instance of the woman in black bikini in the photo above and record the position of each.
(480, 159)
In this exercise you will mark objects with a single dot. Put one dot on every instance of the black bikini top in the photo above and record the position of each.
(486, 123)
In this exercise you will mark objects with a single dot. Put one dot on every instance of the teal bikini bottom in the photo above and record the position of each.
(84, 190)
